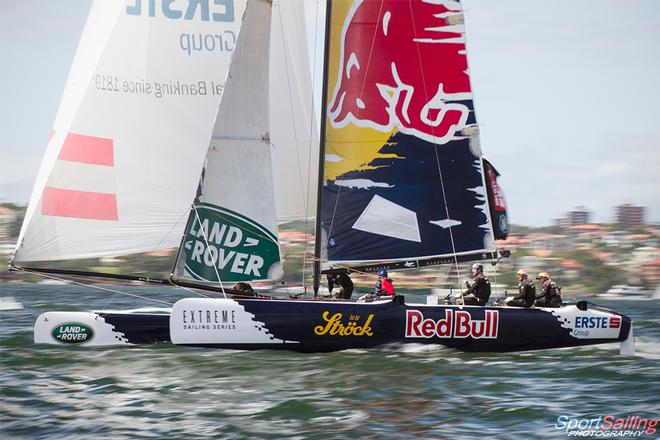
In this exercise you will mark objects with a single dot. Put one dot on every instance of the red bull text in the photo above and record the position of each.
(456, 324)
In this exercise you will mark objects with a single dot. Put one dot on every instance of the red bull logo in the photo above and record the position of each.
(403, 66)
(456, 324)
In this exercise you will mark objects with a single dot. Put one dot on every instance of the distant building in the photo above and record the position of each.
(8, 218)
(629, 216)
(578, 216)
(651, 272)
(547, 242)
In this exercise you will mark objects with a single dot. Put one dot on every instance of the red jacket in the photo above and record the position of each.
(384, 285)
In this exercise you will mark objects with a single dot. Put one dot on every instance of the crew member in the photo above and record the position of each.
(343, 280)
(478, 293)
(244, 289)
(383, 287)
(550, 295)
(526, 291)
(384, 284)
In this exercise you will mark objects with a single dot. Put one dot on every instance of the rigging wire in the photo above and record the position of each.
(157, 246)
(364, 80)
(116, 292)
(312, 143)
(435, 146)
(208, 246)
(189, 290)
(305, 191)
(184, 213)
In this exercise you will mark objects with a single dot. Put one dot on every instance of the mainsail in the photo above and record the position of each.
(403, 172)
(232, 228)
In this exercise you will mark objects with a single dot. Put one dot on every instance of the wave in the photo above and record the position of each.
(9, 303)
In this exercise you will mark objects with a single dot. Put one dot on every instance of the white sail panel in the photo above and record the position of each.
(293, 127)
(121, 168)
(232, 232)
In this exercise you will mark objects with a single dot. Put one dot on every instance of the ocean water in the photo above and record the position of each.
(411, 391)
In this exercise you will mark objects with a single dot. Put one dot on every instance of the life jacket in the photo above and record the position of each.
(386, 286)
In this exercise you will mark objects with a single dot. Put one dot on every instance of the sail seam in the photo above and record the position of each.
(239, 138)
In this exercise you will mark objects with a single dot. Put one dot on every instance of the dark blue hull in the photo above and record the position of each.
(322, 326)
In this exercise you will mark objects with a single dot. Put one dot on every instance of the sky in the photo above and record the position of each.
(566, 95)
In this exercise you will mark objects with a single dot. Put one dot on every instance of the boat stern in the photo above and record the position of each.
(627, 346)
(76, 328)
(101, 329)
(593, 324)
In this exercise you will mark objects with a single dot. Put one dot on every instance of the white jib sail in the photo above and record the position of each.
(122, 165)
(232, 232)
(293, 127)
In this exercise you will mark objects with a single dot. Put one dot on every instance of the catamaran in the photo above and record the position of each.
(198, 110)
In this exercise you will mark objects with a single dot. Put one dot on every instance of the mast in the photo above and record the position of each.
(324, 99)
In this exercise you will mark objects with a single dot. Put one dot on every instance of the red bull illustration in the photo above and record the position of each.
(403, 66)
(403, 171)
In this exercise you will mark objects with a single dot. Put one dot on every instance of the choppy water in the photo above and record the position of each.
(393, 392)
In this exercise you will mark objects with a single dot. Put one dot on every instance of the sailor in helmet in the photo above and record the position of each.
(550, 295)
(526, 291)
(383, 287)
(384, 284)
(478, 292)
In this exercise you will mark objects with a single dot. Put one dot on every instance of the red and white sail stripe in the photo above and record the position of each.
(82, 183)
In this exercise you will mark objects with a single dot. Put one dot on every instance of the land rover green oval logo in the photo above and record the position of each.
(221, 244)
(72, 333)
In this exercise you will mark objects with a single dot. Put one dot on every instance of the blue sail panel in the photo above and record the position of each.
(403, 215)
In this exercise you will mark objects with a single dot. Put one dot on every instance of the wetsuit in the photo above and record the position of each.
(549, 296)
(343, 280)
(526, 295)
(479, 292)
